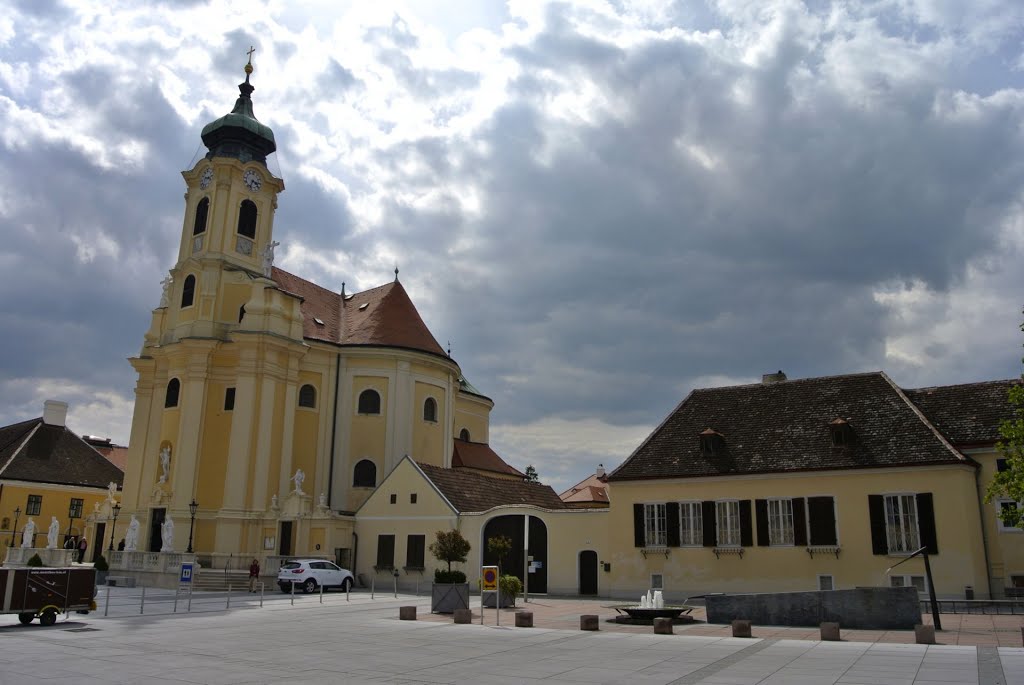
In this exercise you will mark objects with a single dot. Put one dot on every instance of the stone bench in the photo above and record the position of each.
(120, 581)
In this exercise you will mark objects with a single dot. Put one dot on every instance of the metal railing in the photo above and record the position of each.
(975, 606)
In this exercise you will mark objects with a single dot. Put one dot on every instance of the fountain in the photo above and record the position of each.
(653, 606)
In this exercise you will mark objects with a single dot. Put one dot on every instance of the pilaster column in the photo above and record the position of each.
(142, 422)
(236, 475)
(192, 401)
(264, 437)
(402, 419)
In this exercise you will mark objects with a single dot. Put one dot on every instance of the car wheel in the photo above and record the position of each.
(309, 586)
(48, 617)
(346, 585)
(26, 617)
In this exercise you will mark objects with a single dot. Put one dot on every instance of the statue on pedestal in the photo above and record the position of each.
(298, 478)
(165, 463)
(167, 535)
(51, 535)
(111, 491)
(131, 536)
(28, 534)
(165, 296)
(273, 502)
(268, 257)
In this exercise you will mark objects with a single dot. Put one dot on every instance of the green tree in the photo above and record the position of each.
(499, 546)
(1009, 484)
(531, 474)
(450, 546)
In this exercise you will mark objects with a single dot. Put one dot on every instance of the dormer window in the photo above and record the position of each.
(711, 442)
(841, 432)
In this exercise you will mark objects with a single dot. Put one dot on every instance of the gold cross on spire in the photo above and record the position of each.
(251, 50)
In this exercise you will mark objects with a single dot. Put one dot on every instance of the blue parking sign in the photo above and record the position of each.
(186, 573)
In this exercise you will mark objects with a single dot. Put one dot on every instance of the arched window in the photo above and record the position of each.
(365, 474)
(307, 396)
(247, 219)
(202, 210)
(173, 388)
(430, 409)
(464, 434)
(5, 524)
(369, 402)
(188, 291)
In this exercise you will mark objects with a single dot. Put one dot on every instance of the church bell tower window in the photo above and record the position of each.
(202, 212)
(247, 219)
(171, 397)
(188, 291)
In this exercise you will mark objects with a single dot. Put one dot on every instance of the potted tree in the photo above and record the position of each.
(450, 590)
(499, 546)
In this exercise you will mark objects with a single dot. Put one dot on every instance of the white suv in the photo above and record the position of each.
(309, 574)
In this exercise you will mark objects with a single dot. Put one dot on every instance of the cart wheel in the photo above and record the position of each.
(26, 617)
(48, 617)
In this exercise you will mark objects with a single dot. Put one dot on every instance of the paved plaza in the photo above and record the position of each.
(362, 641)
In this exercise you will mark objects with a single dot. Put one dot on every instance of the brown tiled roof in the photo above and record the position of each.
(784, 426)
(967, 414)
(382, 316)
(479, 455)
(52, 454)
(115, 454)
(590, 489)
(472, 492)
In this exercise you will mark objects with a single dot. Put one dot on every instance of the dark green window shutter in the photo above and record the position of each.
(822, 513)
(385, 551)
(926, 522)
(414, 548)
(707, 514)
(761, 512)
(638, 525)
(876, 511)
(672, 524)
(799, 523)
(746, 524)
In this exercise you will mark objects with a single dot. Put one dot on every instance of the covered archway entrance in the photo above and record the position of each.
(588, 572)
(512, 527)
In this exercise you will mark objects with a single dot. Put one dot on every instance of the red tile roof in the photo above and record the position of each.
(472, 492)
(479, 455)
(383, 316)
(591, 489)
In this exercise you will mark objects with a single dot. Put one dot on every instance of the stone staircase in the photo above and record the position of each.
(217, 579)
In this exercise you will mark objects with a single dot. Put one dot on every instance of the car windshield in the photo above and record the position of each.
(292, 564)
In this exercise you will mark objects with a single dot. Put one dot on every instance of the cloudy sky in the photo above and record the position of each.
(601, 204)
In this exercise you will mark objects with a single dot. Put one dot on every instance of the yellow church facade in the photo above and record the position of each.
(275, 405)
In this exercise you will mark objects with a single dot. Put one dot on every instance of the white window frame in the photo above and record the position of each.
(831, 582)
(727, 511)
(691, 524)
(902, 526)
(781, 524)
(906, 580)
(999, 522)
(656, 535)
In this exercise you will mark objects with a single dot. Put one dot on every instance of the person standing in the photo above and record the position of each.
(83, 545)
(254, 574)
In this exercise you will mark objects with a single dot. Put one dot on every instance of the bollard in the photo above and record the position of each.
(829, 631)
(406, 613)
(262, 585)
(175, 602)
(229, 598)
(189, 610)
(293, 594)
(662, 626)
(463, 616)
(1021, 630)
(924, 635)
(142, 604)
(348, 588)
(321, 593)
(106, 606)
(373, 583)
(741, 628)
(396, 584)
(524, 619)
(590, 622)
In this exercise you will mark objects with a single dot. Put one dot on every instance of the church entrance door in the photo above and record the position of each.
(155, 521)
(285, 548)
(588, 572)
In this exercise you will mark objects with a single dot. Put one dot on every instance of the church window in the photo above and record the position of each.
(171, 397)
(188, 291)
(369, 402)
(202, 211)
(247, 219)
(5, 524)
(307, 396)
(464, 434)
(430, 410)
(34, 506)
(365, 475)
(229, 399)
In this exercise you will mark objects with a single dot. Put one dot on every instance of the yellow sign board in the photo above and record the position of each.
(489, 579)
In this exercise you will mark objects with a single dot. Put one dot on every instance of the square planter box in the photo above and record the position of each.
(446, 598)
(488, 599)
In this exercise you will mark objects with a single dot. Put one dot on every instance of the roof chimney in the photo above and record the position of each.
(55, 413)
(770, 378)
(600, 470)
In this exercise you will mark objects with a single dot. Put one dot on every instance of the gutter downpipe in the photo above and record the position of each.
(981, 522)
(334, 431)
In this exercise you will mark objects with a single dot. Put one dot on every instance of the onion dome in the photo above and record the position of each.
(239, 134)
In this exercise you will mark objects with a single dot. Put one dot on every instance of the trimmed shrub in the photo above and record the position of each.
(448, 577)
(35, 561)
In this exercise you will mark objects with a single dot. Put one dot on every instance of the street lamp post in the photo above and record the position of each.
(117, 510)
(192, 507)
(17, 515)
(71, 520)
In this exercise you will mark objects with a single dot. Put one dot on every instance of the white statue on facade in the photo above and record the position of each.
(131, 536)
(111, 491)
(165, 296)
(273, 502)
(323, 501)
(268, 257)
(298, 478)
(28, 534)
(167, 535)
(51, 535)
(165, 463)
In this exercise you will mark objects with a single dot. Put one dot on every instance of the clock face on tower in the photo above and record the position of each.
(252, 180)
(206, 178)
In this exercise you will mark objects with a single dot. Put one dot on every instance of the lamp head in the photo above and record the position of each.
(193, 506)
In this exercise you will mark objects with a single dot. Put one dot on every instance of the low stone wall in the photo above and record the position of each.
(862, 608)
(19, 556)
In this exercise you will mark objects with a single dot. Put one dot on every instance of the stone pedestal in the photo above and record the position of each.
(463, 615)
(590, 622)
(741, 628)
(150, 569)
(406, 613)
(829, 631)
(662, 626)
(19, 556)
(524, 619)
(924, 635)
